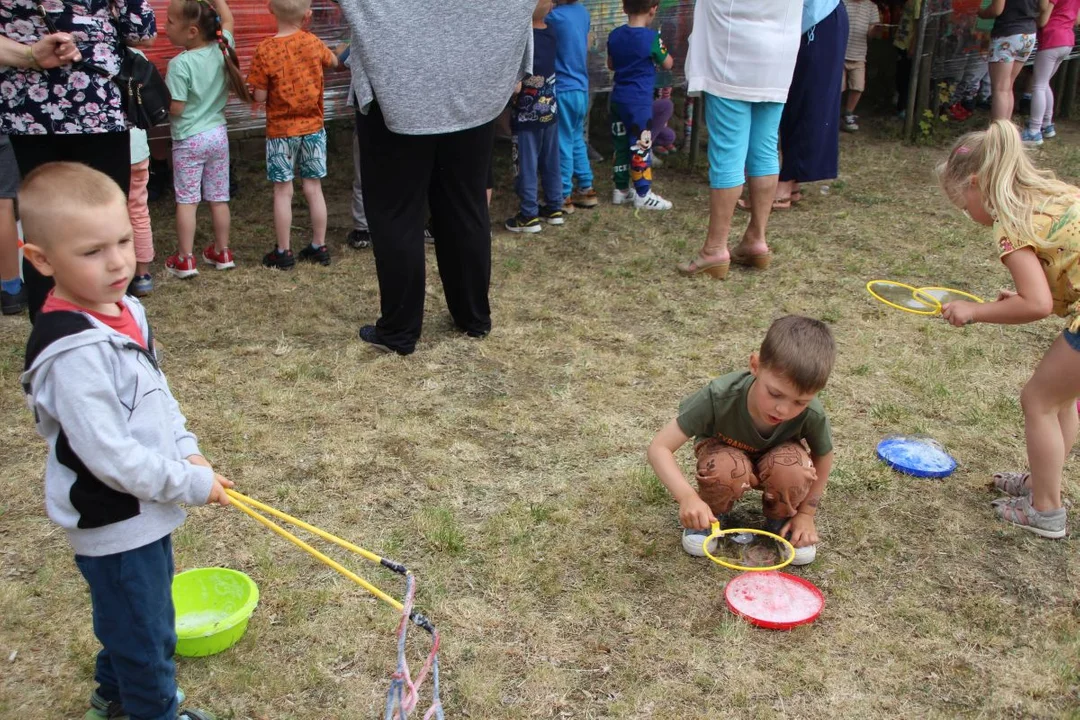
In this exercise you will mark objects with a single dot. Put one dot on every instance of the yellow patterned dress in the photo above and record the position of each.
(1058, 250)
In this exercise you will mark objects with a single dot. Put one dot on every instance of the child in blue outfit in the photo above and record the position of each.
(121, 459)
(634, 51)
(570, 22)
(536, 134)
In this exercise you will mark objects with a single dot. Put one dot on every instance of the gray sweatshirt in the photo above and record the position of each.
(117, 441)
(438, 67)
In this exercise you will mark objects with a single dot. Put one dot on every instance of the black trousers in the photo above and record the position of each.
(404, 175)
(108, 152)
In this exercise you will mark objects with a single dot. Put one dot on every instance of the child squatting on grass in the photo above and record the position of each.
(752, 429)
(1036, 226)
(121, 459)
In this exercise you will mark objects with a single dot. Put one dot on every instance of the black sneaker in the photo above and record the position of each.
(370, 335)
(521, 224)
(13, 304)
(279, 260)
(553, 216)
(314, 254)
(358, 239)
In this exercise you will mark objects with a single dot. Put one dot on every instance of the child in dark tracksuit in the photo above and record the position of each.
(634, 52)
(120, 456)
(536, 135)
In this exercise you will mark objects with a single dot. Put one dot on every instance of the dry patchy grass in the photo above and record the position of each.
(510, 475)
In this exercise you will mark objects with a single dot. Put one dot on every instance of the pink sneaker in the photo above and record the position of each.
(181, 266)
(222, 260)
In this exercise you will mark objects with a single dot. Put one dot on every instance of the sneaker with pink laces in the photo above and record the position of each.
(182, 266)
(220, 259)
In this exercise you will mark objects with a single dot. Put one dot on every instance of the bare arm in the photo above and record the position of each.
(1032, 300)
(176, 107)
(50, 51)
(823, 466)
(669, 62)
(259, 95)
(226, 15)
(1045, 8)
(693, 511)
(992, 10)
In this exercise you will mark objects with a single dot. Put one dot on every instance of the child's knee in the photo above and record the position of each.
(724, 473)
(785, 475)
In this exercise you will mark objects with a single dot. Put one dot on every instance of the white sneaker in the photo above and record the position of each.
(652, 201)
(619, 197)
(693, 542)
(805, 555)
(851, 123)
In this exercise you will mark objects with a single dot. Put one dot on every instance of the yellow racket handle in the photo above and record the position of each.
(717, 532)
(366, 554)
(915, 293)
(239, 501)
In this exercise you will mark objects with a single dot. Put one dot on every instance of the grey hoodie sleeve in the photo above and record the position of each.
(77, 393)
(186, 442)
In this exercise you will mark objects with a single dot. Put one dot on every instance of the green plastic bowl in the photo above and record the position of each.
(213, 606)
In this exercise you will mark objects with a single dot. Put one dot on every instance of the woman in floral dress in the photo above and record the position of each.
(70, 113)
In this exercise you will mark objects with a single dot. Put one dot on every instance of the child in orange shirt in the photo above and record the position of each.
(287, 73)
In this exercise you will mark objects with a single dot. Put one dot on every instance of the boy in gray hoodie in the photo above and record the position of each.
(120, 456)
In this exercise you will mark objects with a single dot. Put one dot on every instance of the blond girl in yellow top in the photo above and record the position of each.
(1036, 222)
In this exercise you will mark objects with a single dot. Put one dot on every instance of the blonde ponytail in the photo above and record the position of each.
(1012, 188)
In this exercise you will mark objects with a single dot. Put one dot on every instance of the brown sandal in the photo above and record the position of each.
(715, 270)
(759, 261)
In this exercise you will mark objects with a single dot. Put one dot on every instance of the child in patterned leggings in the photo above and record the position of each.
(287, 73)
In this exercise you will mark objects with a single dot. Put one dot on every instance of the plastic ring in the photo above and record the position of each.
(925, 299)
(717, 532)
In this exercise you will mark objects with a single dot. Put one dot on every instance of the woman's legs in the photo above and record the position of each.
(762, 168)
(1050, 421)
(729, 123)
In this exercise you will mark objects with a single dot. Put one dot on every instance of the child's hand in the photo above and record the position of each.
(959, 313)
(800, 530)
(694, 514)
(217, 492)
(1005, 294)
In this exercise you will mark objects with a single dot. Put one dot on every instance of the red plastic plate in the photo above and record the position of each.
(774, 600)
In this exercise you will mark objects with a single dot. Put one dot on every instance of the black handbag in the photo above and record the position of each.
(144, 96)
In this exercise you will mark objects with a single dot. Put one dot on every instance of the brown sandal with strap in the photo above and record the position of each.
(715, 270)
(758, 261)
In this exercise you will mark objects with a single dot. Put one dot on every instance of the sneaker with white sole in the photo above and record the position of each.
(521, 224)
(181, 266)
(851, 123)
(651, 201)
(621, 197)
(1049, 131)
(1031, 138)
(693, 542)
(220, 259)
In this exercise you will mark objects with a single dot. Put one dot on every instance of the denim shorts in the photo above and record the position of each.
(1072, 338)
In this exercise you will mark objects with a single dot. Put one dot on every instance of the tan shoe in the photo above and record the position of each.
(568, 206)
(585, 199)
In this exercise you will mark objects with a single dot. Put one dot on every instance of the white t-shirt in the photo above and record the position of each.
(743, 50)
(861, 15)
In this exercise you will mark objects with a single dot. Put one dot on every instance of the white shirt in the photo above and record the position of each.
(743, 50)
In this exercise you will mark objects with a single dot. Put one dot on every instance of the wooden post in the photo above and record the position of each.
(1068, 97)
(913, 81)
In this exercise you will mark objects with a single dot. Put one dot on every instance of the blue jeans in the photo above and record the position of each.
(131, 595)
(742, 140)
(573, 156)
(536, 150)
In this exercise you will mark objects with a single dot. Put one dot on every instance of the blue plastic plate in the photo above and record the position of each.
(918, 456)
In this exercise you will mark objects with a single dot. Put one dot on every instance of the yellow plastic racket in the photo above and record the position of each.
(946, 295)
(786, 550)
(904, 297)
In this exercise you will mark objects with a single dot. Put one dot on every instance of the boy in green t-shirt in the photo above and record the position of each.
(763, 429)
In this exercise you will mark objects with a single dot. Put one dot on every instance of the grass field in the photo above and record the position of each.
(509, 474)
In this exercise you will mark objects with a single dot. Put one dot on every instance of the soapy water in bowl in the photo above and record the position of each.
(769, 597)
(922, 453)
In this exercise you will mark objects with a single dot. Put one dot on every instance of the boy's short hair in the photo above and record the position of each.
(51, 191)
(801, 349)
(290, 10)
(639, 7)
